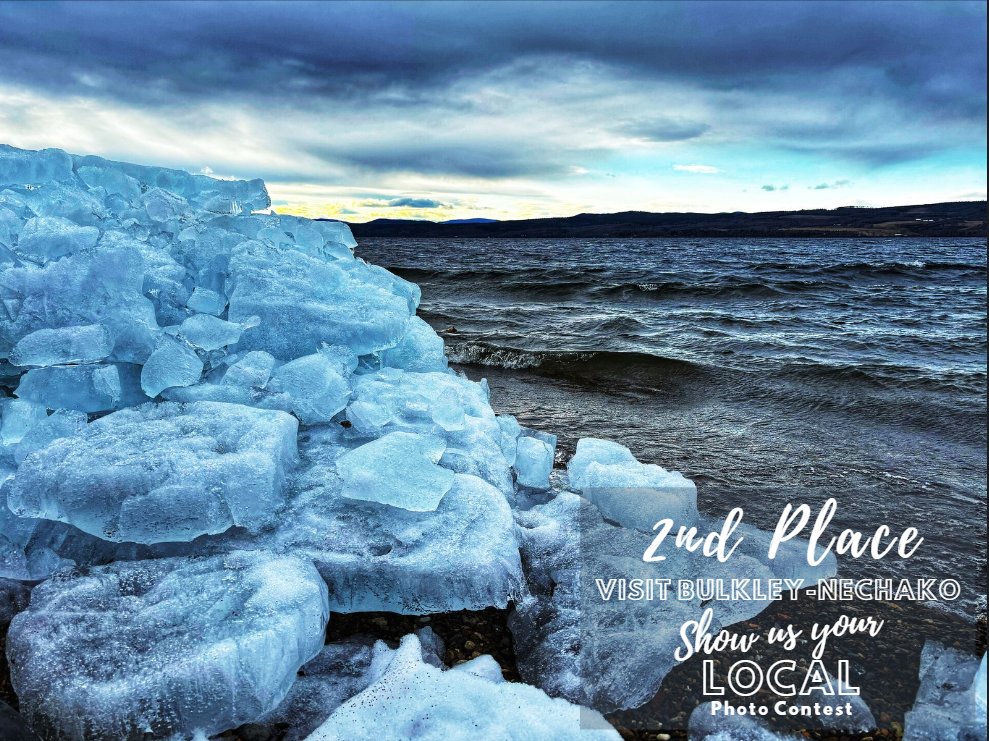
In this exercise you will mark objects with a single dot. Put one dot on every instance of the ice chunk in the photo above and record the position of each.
(89, 343)
(112, 180)
(790, 561)
(27, 167)
(52, 237)
(461, 556)
(303, 301)
(511, 430)
(252, 370)
(162, 205)
(208, 332)
(162, 472)
(951, 700)
(414, 700)
(628, 492)
(173, 363)
(205, 301)
(708, 723)
(316, 384)
(393, 400)
(533, 463)
(19, 416)
(602, 452)
(399, 469)
(85, 388)
(166, 646)
(420, 350)
(440, 404)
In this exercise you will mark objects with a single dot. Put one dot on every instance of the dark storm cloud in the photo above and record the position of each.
(926, 53)
(913, 61)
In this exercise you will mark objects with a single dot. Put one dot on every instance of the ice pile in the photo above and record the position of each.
(414, 699)
(163, 343)
(167, 646)
(951, 701)
(567, 635)
(219, 425)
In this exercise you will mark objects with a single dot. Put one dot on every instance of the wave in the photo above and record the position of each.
(636, 368)
(655, 371)
(766, 280)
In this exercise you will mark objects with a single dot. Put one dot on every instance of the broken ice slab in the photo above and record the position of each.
(568, 636)
(398, 469)
(511, 430)
(208, 332)
(628, 492)
(251, 370)
(303, 301)
(172, 364)
(199, 190)
(317, 383)
(88, 343)
(17, 418)
(162, 472)
(533, 462)
(461, 556)
(414, 700)
(46, 238)
(790, 561)
(951, 700)
(857, 717)
(205, 301)
(167, 646)
(441, 404)
(84, 388)
(420, 350)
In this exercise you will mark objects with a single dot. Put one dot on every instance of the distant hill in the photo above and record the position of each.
(959, 219)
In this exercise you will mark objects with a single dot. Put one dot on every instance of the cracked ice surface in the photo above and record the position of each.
(463, 555)
(165, 472)
(169, 646)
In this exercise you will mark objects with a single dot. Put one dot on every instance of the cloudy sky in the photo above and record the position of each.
(512, 110)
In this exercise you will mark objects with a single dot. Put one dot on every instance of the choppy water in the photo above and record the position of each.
(766, 370)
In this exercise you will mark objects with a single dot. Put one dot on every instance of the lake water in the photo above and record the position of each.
(768, 371)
